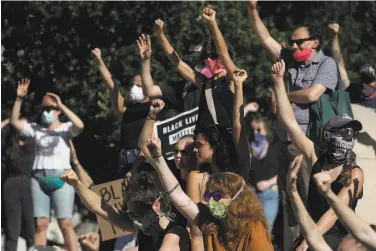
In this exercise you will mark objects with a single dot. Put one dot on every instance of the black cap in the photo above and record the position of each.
(343, 120)
(367, 74)
(195, 56)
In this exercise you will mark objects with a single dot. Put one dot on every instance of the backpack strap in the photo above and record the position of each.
(210, 101)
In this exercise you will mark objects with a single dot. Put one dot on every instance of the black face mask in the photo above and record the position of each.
(339, 147)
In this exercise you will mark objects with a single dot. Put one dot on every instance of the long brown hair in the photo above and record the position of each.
(245, 209)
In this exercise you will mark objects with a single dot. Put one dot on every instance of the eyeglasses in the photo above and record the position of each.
(182, 152)
(216, 196)
(50, 108)
(299, 41)
(343, 132)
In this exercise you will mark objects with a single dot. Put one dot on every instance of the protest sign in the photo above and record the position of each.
(169, 131)
(112, 194)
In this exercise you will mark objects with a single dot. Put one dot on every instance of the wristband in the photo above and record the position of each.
(156, 157)
(150, 118)
(173, 189)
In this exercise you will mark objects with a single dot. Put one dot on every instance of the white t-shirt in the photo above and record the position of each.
(52, 149)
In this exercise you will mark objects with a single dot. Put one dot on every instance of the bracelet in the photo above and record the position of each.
(156, 157)
(150, 118)
(173, 189)
(19, 98)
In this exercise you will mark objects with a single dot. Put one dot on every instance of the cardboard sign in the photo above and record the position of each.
(112, 194)
(169, 131)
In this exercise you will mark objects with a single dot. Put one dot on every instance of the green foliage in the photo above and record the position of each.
(51, 42)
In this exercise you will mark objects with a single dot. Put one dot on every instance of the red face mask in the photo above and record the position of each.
(212, 67)
(303, 55)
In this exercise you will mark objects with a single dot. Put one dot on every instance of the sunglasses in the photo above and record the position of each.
(182, 152)
(216, 196)
(299, 41)
(343, 132)
(50, 108)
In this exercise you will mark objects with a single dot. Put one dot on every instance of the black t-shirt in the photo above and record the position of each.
(145, 242)
(182, 96)
(266, 168)
(317, 205)
(363, 94)
(223, 99)
(131, 126)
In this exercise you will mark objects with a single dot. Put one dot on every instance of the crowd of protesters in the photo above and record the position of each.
(224, 187)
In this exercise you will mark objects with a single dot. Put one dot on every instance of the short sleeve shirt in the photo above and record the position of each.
(320, 70)
(182, 96)
(52, 149)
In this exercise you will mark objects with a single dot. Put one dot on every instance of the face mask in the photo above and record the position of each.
(219, 209)
(258, 145)
(212, 67)
(136, 93)
(303, 55)
(339, 148)
(48, 117)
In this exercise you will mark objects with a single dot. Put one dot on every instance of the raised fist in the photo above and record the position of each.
(278, 70)
(158, 26)
(334, 28)
(323, 181)
(70, 177)
(209, 15)
(90, 240)
(252, 4)
(97, 53)
(239, 76)
(156, 106)
(23, 87)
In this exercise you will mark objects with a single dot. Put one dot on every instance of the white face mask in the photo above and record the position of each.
(136, 93)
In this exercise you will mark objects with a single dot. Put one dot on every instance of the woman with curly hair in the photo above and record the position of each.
(233, 217)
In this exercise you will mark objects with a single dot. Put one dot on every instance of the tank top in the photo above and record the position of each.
(317, 204)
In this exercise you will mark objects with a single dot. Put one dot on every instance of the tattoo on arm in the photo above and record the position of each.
(353, 195)
(195, 231)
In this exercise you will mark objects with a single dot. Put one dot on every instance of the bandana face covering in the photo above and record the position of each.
(339, 147)
(219, 209)
(258, 145)
(212, 67)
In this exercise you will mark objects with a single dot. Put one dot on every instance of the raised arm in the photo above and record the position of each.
(337, 55)
(209, 15)
(148, 86)
(22, 89)
(147, 131)
(78, 125)
(358, 228)
(116, 98)
(171, 185)
(262, 32)
(4, 123)
(287, 117)
(183, 69)
(81, 172)
(308, 227)
(94, 203)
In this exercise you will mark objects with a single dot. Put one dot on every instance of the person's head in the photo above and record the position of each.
(349, 243)
(305, 40)
(258, 126)
(340, 133)
(214, 145)
(367, 74)
(49, 110)
(232, 202)
(145, 201)
(184, 157)
(136, 94)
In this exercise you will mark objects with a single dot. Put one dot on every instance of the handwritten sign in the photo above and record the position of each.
(112, 194)
(169, 131)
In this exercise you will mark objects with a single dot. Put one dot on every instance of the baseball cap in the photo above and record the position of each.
(367, 73)
(47, 101)
(195, 54)
(342, 120)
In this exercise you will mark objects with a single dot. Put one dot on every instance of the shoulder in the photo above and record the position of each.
(357, 173)
(195, 176)
(175, 237)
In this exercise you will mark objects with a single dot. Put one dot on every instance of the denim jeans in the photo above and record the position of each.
(270, 201)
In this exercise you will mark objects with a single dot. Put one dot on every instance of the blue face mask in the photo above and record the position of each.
(258, 145)
(48, 117)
